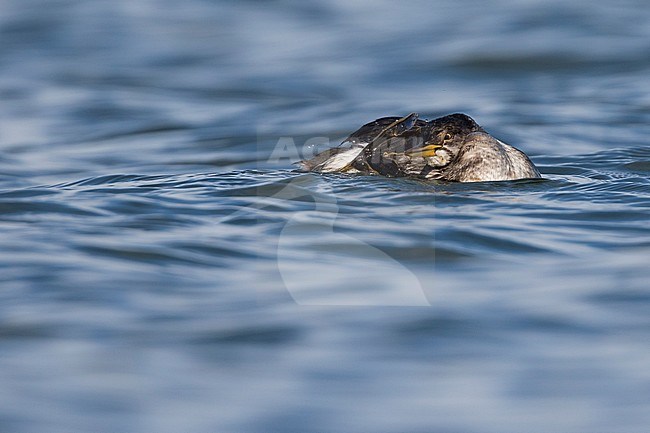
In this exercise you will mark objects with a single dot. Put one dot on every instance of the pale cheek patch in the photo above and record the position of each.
(442, 158)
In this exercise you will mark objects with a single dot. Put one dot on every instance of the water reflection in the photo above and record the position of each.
(162, 269)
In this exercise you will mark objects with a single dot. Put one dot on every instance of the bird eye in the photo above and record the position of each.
(447, 137)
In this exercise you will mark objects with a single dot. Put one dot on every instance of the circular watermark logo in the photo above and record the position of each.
(320, 264)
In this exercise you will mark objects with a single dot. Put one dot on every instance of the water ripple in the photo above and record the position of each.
(161, 269)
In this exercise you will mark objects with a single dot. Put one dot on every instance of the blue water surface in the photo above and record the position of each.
(165, 268)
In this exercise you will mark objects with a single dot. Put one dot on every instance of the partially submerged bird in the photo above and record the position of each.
(452, 148)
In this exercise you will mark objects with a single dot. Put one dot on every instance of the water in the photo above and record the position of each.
(163, 267)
